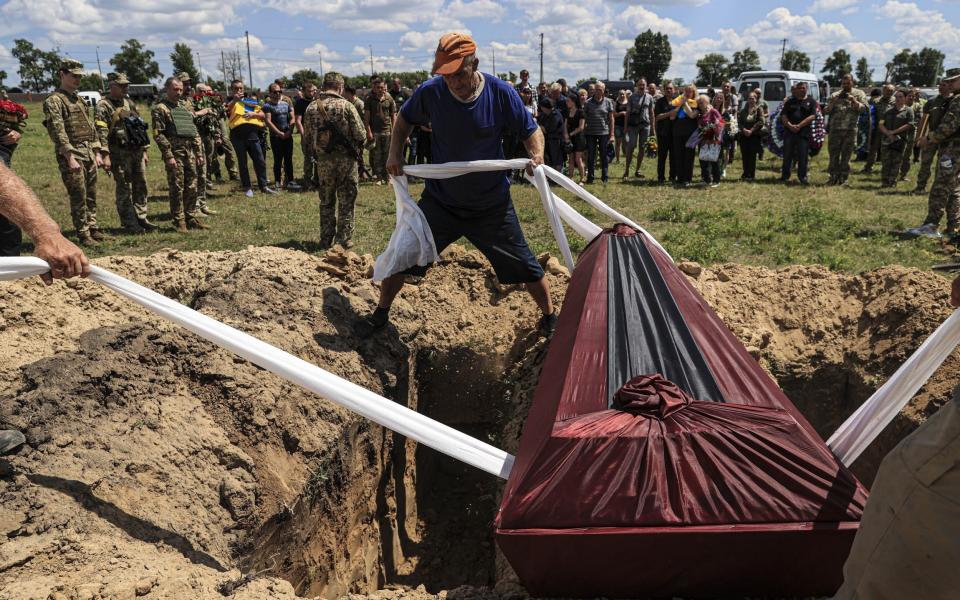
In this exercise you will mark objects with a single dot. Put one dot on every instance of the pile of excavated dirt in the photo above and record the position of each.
(161, 466)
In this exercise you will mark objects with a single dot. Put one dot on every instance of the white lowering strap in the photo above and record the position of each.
(391, 415)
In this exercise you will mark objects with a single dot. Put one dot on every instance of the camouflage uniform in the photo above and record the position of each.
(382, 114)
(890, 156)
(843, 133)
(73, 134)
(336, 164)
(188, 103)
(126, 161)
(934, 108)
(911, 138)
(945, 191)
(183, 146)
(881, 106)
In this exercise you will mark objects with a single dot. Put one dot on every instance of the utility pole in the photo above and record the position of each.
(371, 60)
(223, 64)
(249, 65)
(608, 64)
(494, 64)
(783, 49)
(99, 70)
(199, 66)
(541, 57)
(321, 63)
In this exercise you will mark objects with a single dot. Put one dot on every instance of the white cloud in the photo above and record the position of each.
(638, 18)
(476, 9)
(828, 5)
(918, 27)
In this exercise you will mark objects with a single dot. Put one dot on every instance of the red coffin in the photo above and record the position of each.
(659, 459)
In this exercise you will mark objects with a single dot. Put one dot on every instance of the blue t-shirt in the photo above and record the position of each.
(469, 131)
(279, 113)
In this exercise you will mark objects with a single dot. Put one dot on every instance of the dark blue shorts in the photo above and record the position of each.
(495, 231)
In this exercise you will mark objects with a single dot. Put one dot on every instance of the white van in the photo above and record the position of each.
(90, 97)
(776, 85)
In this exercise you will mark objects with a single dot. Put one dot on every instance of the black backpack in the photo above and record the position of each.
(136, 130)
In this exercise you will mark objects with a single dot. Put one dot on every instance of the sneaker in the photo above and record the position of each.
(147, 225)
(928, 230)
(714, 185)
(268, 190)
(209, 211)
(548, 324)
(248, 193)
(10, 439)
(372, 323)
(293, 186)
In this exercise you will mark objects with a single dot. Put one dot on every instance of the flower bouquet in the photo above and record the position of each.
(650, 147)
(12, 115)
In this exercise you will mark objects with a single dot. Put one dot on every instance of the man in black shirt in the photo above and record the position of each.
(664, 129)
(797, 116)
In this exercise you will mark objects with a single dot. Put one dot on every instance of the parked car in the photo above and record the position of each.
(91, 98)
(776, 85)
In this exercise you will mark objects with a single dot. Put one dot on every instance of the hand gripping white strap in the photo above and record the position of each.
(336, 389)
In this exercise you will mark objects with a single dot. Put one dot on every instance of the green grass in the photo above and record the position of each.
(760, 223)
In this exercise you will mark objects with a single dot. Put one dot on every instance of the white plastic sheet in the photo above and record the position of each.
(336, 389)
(866, 423)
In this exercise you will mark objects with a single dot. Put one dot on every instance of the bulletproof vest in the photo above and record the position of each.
(949, 105)
(77, 122)
(936, 113)
(181, 123)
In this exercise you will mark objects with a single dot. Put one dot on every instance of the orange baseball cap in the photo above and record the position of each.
(451, 51)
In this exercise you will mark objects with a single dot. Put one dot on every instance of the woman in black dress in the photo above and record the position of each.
(575, 125)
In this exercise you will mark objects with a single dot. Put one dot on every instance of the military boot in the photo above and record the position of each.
(182, 225)
(197, 224)
(147, 225)
(86, 239)
(98, 235)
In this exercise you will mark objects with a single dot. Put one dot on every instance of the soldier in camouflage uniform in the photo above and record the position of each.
(896, 125)
(206, 140)
(881, 106)
(945, 191)
(933, 110)
(844, 110)
(335, 132)
(78, 150)
(176, 135)
(913, 101)
(115, 119)
(380, 111)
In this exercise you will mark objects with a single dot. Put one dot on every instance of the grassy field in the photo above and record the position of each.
(762, 223)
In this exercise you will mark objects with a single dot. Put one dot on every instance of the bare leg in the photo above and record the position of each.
(389, 289)
(626, 168)
(540, 290)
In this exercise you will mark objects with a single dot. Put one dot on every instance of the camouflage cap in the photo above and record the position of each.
(950, 75)
(117, 78)
(72, 66)
(183, 76)
(332, 78)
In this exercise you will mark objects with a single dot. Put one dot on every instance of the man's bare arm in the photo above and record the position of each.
(401, 131)
(534, 146)
(19, 204)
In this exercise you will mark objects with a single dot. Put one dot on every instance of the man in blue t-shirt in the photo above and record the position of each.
(469, 113)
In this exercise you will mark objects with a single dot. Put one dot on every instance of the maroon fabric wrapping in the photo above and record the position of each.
(652, 395)
(775, 560)
(735, 496)
(573, 379)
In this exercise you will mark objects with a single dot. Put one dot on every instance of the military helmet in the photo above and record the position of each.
(332, 78)
(74, 67)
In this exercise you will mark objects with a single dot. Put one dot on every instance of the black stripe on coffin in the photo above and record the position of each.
(646, 332)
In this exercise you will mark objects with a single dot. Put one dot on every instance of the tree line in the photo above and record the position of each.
(650, 57)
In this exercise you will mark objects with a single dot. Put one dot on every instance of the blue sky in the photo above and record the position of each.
(287, 35)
